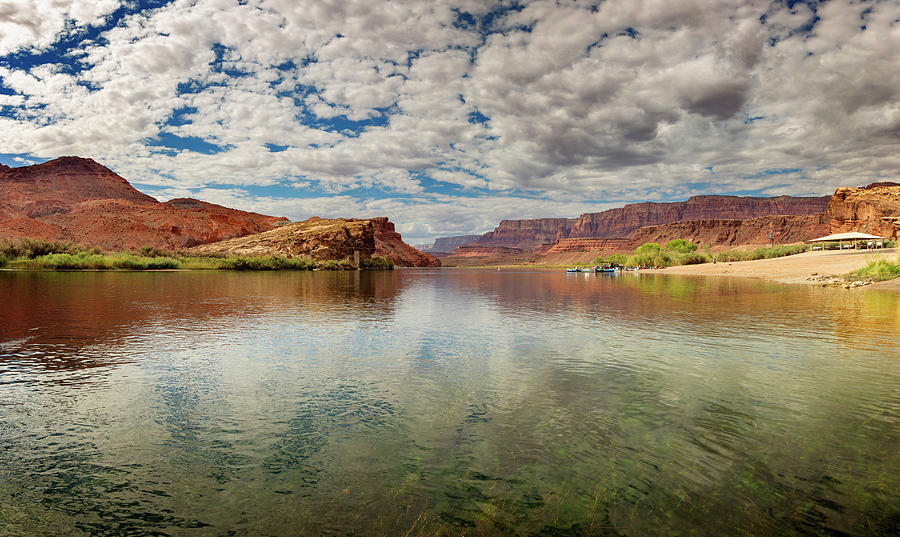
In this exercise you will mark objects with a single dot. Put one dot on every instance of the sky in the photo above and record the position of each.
(448, 116)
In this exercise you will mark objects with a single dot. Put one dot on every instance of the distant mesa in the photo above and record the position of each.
(714, 220)
(447, 244)
(76, 199)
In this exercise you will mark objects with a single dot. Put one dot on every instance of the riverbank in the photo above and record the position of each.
(807, 268)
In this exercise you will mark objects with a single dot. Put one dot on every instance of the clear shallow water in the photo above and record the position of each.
(445, 403)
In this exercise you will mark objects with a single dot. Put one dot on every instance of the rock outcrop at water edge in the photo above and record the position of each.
(389, 244)
(318, 238)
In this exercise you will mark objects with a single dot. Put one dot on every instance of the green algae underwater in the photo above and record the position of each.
(430, 402)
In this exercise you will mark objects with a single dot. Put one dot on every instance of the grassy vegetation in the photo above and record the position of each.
(762, 253)
(51, 255)
(682, 252)
(879, 269)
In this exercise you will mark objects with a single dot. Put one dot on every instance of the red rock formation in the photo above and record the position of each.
(787, 229)
(79, 200)
(874, 209)
(389, 243)
(477, 250)
(626, 220)
(527, 234)
(56, 186)
(588, 245)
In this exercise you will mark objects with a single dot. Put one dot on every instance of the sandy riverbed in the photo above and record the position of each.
(800, 268)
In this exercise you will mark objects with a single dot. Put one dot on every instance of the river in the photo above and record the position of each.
(445, 402)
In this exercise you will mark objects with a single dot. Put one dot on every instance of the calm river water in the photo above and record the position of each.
(445, 402)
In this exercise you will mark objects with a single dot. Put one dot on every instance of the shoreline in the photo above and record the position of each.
(808, 268)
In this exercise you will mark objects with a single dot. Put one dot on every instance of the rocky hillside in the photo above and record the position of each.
(527, 234)
(79, 200)
(319, 238)
(874, 209)
(57, 186)
(624, 221)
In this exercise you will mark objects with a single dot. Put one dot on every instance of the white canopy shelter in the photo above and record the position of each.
(852, 237)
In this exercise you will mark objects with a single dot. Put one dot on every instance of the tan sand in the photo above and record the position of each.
(800, 268)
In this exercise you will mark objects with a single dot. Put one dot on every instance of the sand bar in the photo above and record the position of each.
(798, 268)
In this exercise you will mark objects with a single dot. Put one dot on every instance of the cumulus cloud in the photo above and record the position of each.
(541, 106)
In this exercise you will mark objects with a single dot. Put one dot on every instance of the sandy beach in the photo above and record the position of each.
(801, 268)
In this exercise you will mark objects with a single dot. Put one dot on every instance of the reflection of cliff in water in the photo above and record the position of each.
(65, 321)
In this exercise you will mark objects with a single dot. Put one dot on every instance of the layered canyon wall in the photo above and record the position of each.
(874, 209)
(624, 221)
(718, 232)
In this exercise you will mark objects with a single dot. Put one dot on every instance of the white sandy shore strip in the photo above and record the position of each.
(801, 268)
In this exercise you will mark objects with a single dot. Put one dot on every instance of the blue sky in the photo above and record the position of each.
(448, 116)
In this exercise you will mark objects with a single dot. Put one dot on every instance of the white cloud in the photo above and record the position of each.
(633, 101)
(36, 24)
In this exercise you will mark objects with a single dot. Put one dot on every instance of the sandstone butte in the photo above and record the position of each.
(76, 199)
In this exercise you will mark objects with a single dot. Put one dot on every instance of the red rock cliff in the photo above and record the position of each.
(874, 209)
(624, 221)
(588, 245)
(389, 243)
(526, 234)
(787, 229)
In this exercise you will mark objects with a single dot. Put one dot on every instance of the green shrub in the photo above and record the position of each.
(879, 269)
(647, 248)
(681, 246)
(693, 258)
(81, 260)
(334, 264)
(32, 248)
(153, 251)
(133, 262)
(762, 253)
(268, 262)
(376, 263)
(618, 259)
(3, 260)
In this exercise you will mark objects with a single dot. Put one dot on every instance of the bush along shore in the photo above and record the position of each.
(29, 254)
(681, 252)
(878, 268)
